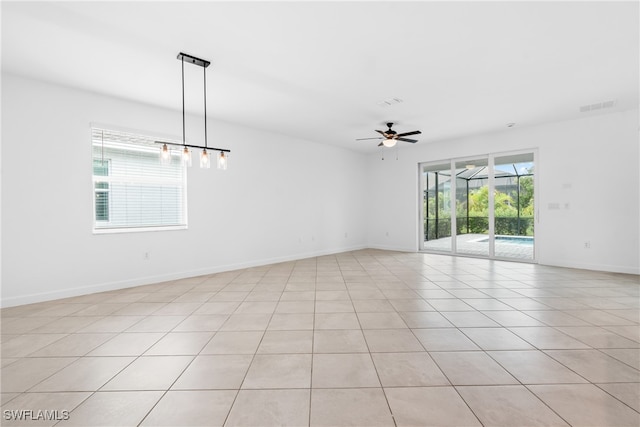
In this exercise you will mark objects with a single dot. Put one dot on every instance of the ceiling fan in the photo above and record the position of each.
(390, 137)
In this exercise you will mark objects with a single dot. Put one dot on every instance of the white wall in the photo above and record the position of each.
(280, 199)
(590, 167)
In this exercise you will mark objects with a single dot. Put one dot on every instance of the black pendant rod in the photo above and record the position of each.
(184, 140)
(194, 146)
(204, 70)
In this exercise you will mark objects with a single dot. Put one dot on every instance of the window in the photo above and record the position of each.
(132, 190)
(101, 168)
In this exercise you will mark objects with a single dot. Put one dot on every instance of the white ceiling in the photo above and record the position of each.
(319, 70)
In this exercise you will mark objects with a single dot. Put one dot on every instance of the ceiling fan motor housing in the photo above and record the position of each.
(390, 131)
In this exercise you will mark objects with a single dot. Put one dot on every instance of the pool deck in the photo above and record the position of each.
(470, 244)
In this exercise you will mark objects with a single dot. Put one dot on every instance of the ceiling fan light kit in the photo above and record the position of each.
(205, 156)
(389, 142)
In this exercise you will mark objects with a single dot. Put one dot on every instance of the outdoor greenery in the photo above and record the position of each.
(507, 219)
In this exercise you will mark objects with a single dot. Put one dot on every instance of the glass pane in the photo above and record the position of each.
(437, 207)
(102, 206)
(472, 207)
(100, 167)
(514, 213)
(101, 203)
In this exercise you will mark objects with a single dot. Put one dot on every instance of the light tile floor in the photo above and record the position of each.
(360, 338)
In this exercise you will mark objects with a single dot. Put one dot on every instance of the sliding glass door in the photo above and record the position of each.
(436, 206)
(514, 206)
(481, 206)
(472, 206)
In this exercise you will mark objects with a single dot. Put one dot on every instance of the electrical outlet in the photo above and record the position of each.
(587, 244)
(146, 256)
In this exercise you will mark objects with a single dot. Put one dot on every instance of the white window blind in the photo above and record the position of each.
(132, 190)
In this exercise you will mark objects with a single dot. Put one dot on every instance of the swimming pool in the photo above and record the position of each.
(512, 247)
(517, 240)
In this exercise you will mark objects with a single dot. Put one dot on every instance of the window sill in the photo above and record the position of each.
(138, 229)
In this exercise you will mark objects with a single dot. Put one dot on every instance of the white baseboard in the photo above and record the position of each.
(593, 267)
(147, 280)
(392, 248)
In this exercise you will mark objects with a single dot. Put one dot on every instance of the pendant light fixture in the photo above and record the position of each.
(205, 156)
(205, 159)
(222, 160)
(165, 155)
(186, 156)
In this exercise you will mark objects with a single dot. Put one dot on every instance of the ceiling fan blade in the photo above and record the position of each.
(364, 139)
(415, 132)
(413, 141)
(380, 145)
(382, 133)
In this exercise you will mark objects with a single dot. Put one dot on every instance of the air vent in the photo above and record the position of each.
(389, 102)
(598, 106)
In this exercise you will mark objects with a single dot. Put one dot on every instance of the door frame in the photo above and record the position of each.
(491, 208)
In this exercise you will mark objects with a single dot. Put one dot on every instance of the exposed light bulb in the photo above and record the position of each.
(165, 155)
(222, 160)
(186, 156)
(205, 159)
(470, 166)
(389, 142)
